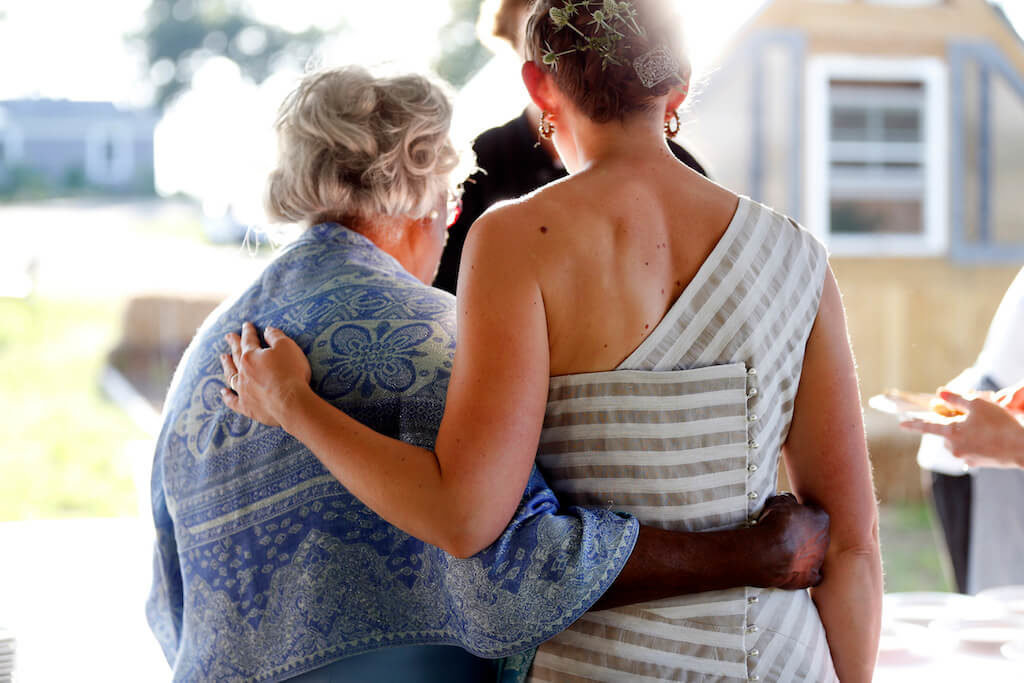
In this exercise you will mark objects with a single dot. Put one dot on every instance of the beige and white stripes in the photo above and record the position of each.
(686, 435)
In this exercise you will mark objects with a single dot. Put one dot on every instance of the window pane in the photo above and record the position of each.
(903, 166)
(849, 124)
(877, 158)
(840, 166)
(878, 216)
(902, 125)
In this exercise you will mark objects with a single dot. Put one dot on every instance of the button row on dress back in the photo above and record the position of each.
(751, 392)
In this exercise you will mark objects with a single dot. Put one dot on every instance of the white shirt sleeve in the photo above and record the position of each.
(1001, 360)
(1002, 357)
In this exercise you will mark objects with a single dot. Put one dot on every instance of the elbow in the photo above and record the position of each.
(461, 552)
(457, 545)
(464, 548)
(859, 542)
(467, 543)
(470, 528)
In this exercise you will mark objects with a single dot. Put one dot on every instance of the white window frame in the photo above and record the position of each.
(934, 78)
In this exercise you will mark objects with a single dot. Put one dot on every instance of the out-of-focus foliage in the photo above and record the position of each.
(22, 182)
(181, 35)
(462, 54)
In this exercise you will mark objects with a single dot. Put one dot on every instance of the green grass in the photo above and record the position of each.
(62, 443)
(910, 550)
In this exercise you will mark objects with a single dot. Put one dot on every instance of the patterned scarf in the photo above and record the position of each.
(265, 567)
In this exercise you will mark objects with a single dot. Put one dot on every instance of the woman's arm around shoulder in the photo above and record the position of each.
(827, 461)
(461, 496)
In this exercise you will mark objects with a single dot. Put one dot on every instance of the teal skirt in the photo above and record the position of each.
(410, 664)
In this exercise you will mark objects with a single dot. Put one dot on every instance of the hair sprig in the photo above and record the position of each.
(612, 21)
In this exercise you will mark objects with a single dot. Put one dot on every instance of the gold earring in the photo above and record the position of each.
(672, 125)
(547, 126)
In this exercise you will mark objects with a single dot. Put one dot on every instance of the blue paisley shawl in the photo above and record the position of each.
(265, 567)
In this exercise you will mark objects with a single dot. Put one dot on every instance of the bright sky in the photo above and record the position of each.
(83, 56)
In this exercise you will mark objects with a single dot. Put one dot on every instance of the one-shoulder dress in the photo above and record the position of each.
(686, 434)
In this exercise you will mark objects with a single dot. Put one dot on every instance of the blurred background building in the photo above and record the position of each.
(59, 145)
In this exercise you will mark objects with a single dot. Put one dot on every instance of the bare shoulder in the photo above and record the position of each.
(516, 225)
(497, 247)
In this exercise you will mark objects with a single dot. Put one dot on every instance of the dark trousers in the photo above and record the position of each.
(952, 499)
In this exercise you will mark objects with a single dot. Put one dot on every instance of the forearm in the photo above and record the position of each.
(669, 563)
(373, 467)
(849, 602)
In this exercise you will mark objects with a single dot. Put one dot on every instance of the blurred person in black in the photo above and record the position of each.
(513, 158)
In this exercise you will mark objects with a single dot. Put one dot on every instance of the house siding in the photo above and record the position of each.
(61, 139)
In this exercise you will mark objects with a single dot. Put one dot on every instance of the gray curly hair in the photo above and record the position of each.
(352, 146)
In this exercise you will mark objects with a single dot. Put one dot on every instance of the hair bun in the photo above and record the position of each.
(613, 58)
(355, 145)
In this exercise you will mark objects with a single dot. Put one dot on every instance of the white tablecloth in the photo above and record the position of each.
(957, 666)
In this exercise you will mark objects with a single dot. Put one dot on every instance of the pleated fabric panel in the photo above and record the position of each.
(686, 435)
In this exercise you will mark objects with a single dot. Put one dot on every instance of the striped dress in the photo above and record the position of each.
(686, 434)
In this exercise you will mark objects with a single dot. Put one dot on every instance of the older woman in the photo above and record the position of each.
(266, 567)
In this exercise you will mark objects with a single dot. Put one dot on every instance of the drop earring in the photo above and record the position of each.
(672, 125)
(547, 127)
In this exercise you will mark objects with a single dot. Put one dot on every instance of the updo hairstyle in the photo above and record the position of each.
(352, 147)
(605, 91)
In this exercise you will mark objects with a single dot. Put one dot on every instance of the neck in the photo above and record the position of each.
(397, 237)
(640, 137)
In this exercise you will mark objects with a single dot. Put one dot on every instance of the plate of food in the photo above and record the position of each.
(912, 404)
(908, 405)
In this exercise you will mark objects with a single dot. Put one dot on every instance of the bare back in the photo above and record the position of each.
(612, 248)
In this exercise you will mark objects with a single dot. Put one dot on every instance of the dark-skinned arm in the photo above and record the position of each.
(784, 550)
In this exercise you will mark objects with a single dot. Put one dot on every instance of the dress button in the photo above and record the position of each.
(751, 628)
(755, 677)
(752, 521)
(752, 372)
(752, 600)
(752, 467)
(753, 445)
(754, 653)
(752, 393)
(752, 495)
(752, 418)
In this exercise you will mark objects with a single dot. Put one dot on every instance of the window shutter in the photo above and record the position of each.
(987, 155)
